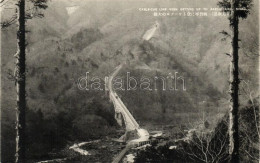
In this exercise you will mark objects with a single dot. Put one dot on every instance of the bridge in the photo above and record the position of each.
(124, 117)
(122, 114)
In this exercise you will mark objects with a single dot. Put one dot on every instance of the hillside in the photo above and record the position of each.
(96, 38)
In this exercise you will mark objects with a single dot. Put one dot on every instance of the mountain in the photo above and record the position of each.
(98, 44)
(88, 36)
(101, 40)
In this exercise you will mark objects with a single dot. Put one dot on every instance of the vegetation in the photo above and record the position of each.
(47, 135)
(20, 69)
(207, 146)
(235, 14)
(61, 51)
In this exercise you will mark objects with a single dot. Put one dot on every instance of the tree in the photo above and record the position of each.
(20, 84)
(250, 128)
(204, 144)
(234, 87)
(21, 15)
(235, 13)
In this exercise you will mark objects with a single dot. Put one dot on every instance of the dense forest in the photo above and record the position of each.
(63, 46)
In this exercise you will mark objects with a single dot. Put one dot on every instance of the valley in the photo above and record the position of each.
(174, 79)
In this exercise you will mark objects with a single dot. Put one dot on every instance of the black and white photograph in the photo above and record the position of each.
(129, 81)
